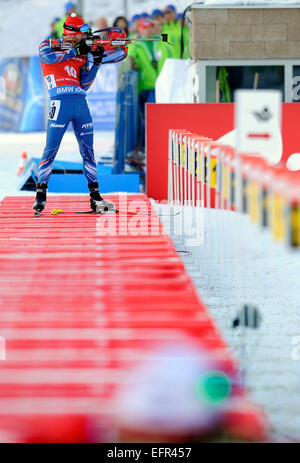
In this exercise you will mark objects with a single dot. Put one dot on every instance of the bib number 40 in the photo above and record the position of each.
(71, 71)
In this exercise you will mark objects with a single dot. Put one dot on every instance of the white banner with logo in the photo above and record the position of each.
(258, 123)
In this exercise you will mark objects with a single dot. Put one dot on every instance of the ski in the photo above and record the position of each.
(56, 212)
(151, 214)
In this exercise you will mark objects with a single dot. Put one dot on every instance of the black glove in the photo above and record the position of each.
(82, 48)
(98, 54)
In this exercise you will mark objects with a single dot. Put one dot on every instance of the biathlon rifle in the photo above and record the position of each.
(110, 38)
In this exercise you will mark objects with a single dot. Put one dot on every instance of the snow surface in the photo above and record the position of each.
(235, 264)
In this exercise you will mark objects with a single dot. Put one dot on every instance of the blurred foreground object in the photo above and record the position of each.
(183, 394)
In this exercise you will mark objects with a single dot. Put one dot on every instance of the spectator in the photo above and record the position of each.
(158, 16)
(143, 58)
(134, 26)
(170, 17)
(157, 26)
(172, 27)
(162, 50)
(121, 22)
(70, 7)
(101, 23)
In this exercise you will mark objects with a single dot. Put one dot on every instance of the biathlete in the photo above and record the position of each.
(68, 77)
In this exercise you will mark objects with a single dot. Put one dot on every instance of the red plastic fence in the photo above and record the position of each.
(79, 308)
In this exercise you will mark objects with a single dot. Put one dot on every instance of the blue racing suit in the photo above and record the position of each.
(68, 77)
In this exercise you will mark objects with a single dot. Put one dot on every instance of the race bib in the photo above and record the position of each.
(50, 81)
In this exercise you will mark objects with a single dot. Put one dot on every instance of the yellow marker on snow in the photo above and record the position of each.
(56, 211)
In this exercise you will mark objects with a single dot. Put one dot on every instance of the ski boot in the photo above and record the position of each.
(98, 204)
(41, 197)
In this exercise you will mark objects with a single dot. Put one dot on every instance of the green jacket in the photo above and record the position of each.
(145, 62)
(60, 26)
(174, 37)
(162, 51)
(172, 29)
(133, 35)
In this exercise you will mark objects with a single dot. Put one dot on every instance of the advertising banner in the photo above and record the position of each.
(22, 96)
(102, 97)
(33, 118)
(258, 123)
(126, 134)
(14, 75)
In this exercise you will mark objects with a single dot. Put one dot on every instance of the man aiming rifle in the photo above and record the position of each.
(68, 77)
(65, 64)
